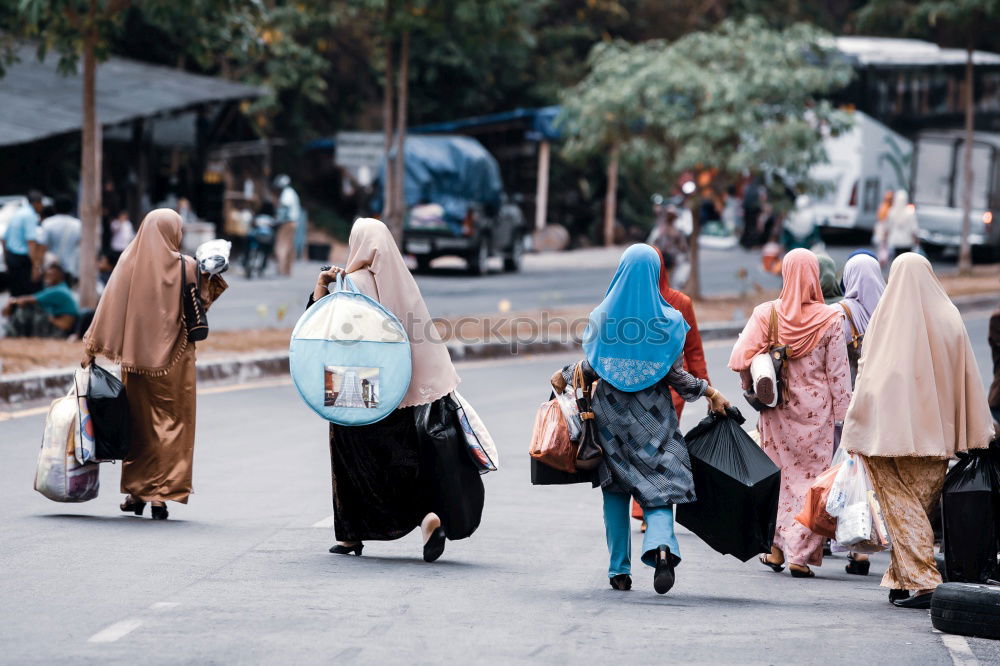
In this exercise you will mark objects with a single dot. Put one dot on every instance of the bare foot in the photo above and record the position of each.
(776, 557)
(430, 523)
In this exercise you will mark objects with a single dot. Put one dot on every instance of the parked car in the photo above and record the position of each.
(456, 205)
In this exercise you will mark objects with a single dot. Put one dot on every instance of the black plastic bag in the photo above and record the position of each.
(457, 494)
(736, 485)
(969, 517)
(109, 413)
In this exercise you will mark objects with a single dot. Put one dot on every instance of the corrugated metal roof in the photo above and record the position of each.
(891, 51)
(36, 101)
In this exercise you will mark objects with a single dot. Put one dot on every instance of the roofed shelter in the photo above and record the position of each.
(152, 117)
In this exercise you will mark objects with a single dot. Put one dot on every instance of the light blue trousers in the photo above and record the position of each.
(659, 530)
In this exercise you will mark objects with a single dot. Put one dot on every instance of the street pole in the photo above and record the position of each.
(965, 252)
(542, 187)
(611, 197)
(90, 175)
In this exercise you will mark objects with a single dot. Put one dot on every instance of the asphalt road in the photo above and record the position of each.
(551, 281)
(241, 575)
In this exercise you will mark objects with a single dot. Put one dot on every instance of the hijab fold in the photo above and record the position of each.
(634, 336)
(139, 322)
(919, 393)
(802, 315)
(376, 266)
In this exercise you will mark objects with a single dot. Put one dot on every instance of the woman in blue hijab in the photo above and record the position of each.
(633, 347)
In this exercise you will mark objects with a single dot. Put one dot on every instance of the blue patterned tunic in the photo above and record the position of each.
(644, 452)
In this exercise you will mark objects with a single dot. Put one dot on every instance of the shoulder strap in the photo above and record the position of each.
(772, 329)
(850, 319)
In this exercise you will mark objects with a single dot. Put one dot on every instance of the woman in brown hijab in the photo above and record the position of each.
(388, 477)
(139, 324)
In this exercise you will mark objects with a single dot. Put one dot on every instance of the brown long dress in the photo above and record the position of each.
(162, 408)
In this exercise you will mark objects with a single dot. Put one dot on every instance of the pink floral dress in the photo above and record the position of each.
(798, 436)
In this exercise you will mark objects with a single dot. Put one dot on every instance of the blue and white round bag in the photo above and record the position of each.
(350, 357)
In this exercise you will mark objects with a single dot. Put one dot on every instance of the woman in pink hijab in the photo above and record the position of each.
(387, 479)
(797, 434)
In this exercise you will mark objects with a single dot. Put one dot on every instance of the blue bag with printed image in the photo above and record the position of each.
(350, 357)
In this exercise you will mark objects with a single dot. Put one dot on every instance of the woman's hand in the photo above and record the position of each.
(326, 276)
(557, 381)
(716, 401)
(87, 360)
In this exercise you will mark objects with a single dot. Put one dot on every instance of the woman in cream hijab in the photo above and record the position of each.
(919, 400)
(384, 478)
(139, 324)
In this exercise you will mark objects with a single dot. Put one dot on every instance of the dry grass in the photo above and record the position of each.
(22, 355)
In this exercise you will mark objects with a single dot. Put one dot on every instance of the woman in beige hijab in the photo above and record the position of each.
(139, 324)
(919, 400)
(383, 482)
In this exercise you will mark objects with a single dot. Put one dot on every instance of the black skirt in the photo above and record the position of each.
(388, 475)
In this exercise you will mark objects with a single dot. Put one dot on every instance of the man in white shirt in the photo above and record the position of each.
(286, 218)
(60, 235)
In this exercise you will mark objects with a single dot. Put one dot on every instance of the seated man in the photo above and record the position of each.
(49, 313)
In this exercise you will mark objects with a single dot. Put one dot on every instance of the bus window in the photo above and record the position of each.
(932, 177)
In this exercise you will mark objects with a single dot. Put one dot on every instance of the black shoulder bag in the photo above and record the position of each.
(192, 306)
(589, 451)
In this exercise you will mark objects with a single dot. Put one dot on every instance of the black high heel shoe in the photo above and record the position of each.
(159, 512)
(857, 567)
(131, 505)
(663, 577)
(338, 549)
(434, 547)
(621, 582)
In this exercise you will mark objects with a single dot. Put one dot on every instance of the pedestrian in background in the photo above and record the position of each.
(20, 249)
(798, 433)
(694, 352)
(880, 236)
(901, 231)
(863, 287)
(828, 281)
(139, 323)
(919, 401)
(383, 478)
(60, 235)
(49, 313)
(644, 458)
(122, 233)
(286, 219)
(799, 228)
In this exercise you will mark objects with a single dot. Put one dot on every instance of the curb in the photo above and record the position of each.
(50, 384)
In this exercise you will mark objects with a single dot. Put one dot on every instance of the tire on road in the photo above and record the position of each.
(478, 259)
(967, 609)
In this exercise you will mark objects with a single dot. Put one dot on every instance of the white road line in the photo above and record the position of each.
(325, 523)
(113, 632)
(958, 648)
(164, 605)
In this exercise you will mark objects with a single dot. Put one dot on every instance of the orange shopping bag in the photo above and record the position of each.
(813, 514)
(550, 442)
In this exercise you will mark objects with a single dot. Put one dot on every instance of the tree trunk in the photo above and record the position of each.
(693, 288)
(90, 179)
(399, 178)
(965, 252)
(611, 197)
(387, 124)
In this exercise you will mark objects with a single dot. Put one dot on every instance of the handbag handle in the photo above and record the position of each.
(854, 329)
(582, 392)
(343, 283)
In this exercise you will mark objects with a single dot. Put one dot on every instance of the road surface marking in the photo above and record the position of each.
(112, 633)
(34, 411)
(164, 605)
(958, 648)
(326, 523)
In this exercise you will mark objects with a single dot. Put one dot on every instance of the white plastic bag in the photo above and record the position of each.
(484, 440)
(85, 447)
(860, 524)
(58, 475)
(571, 413)
(213, 256)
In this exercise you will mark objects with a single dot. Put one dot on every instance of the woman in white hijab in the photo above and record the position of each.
(919, 400)
(901, 228)
(385, 477)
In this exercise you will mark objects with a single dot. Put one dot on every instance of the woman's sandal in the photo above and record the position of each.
(776, 568)
(339, 549)
(798, 573)
(621, 582)
(131, 505)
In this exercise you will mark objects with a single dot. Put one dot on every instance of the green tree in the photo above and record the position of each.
(962, 23)
(742, 98)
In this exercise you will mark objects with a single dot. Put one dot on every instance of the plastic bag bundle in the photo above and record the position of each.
(571, 413)
(213, 256)
(970, 517)
(58, 474)
(861, 526)
(482, 448)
